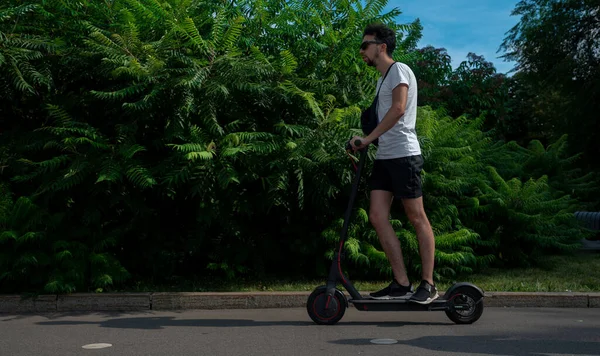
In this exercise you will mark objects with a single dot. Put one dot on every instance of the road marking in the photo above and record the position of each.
(384, 341)
(96, 346)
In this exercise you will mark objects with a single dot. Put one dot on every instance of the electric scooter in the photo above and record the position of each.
(326, 305)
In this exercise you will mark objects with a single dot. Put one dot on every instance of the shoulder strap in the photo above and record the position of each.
(386, 73)
(376, 100)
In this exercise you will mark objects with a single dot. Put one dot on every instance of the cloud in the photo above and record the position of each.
(462, 26)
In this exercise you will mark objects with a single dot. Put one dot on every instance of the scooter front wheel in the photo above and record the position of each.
(324, 309)
(465, 306)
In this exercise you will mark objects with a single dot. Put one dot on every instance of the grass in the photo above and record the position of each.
(579, 273)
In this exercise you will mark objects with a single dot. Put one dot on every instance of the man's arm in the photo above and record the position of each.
(395, 113)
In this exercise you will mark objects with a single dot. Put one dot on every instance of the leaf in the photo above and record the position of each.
(204, 155)
(8, 235)
(140, 176)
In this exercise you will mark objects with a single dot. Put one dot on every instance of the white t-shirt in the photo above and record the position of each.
(401, 139)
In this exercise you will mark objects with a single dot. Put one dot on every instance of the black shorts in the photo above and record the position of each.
(401, 176)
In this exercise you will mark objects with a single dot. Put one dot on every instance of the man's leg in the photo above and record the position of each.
(417, 217)
(408, 188)
(379, 215)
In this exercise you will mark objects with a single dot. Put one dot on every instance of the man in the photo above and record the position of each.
(397, 167)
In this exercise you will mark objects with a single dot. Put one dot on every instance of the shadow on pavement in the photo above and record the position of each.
(162, 322)
(5, 317)
(505, 345)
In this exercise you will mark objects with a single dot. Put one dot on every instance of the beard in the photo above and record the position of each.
(371, 62)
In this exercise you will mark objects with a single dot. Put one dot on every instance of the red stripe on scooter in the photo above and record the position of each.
(340, 263)
(314, 307)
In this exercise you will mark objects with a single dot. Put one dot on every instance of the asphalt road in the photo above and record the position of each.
(500, 331)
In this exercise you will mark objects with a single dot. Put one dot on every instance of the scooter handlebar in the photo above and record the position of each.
(356, 143)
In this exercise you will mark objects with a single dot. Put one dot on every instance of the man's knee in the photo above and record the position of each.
(416, 215)
(418, 218)
(379, 212)
(378, 217)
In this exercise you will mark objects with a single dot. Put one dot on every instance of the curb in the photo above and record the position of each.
(91, 302)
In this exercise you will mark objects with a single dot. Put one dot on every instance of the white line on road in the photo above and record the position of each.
(96, 346)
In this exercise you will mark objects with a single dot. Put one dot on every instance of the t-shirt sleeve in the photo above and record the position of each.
(398, 75)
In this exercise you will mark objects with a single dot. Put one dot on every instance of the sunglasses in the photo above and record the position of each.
(366, 44)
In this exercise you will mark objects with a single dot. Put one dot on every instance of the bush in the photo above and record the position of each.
(479, 217)
(157, 142)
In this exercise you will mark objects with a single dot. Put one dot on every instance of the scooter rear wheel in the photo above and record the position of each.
(465, 306)
(325, 310)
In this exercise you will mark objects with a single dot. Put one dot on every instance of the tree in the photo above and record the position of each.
(175, 139)
(177, 136)
(556, 45)
(473, 88)
(433, 69)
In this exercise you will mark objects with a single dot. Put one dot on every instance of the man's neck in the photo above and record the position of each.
(385, 63)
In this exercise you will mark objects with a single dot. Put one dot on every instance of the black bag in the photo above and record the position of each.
(368, 118)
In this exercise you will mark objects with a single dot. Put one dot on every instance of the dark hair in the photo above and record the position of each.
(383, 34)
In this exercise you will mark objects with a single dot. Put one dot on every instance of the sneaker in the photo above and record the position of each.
(394, 291)
(426, 293)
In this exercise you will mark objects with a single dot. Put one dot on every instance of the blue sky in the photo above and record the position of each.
(462, 26)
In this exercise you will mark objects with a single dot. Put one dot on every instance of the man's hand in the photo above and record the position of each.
(364, 142)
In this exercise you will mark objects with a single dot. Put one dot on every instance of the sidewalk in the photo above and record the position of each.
(254, 300)
(101, 302)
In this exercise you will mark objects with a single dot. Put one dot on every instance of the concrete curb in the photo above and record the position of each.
(14, 304)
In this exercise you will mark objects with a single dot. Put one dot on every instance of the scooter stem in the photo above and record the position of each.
(335, 274)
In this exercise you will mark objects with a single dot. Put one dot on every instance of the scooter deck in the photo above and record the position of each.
(368, 304)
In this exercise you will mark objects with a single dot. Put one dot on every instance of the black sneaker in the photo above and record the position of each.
(394, 291)
(425, 294)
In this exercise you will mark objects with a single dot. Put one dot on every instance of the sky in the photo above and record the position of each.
(462, 26)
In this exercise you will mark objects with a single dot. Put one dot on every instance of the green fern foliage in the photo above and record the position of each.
(558, 166)
(524, 220)
(163, 139)
(22, 49)
(454, 252)
(479, 218)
